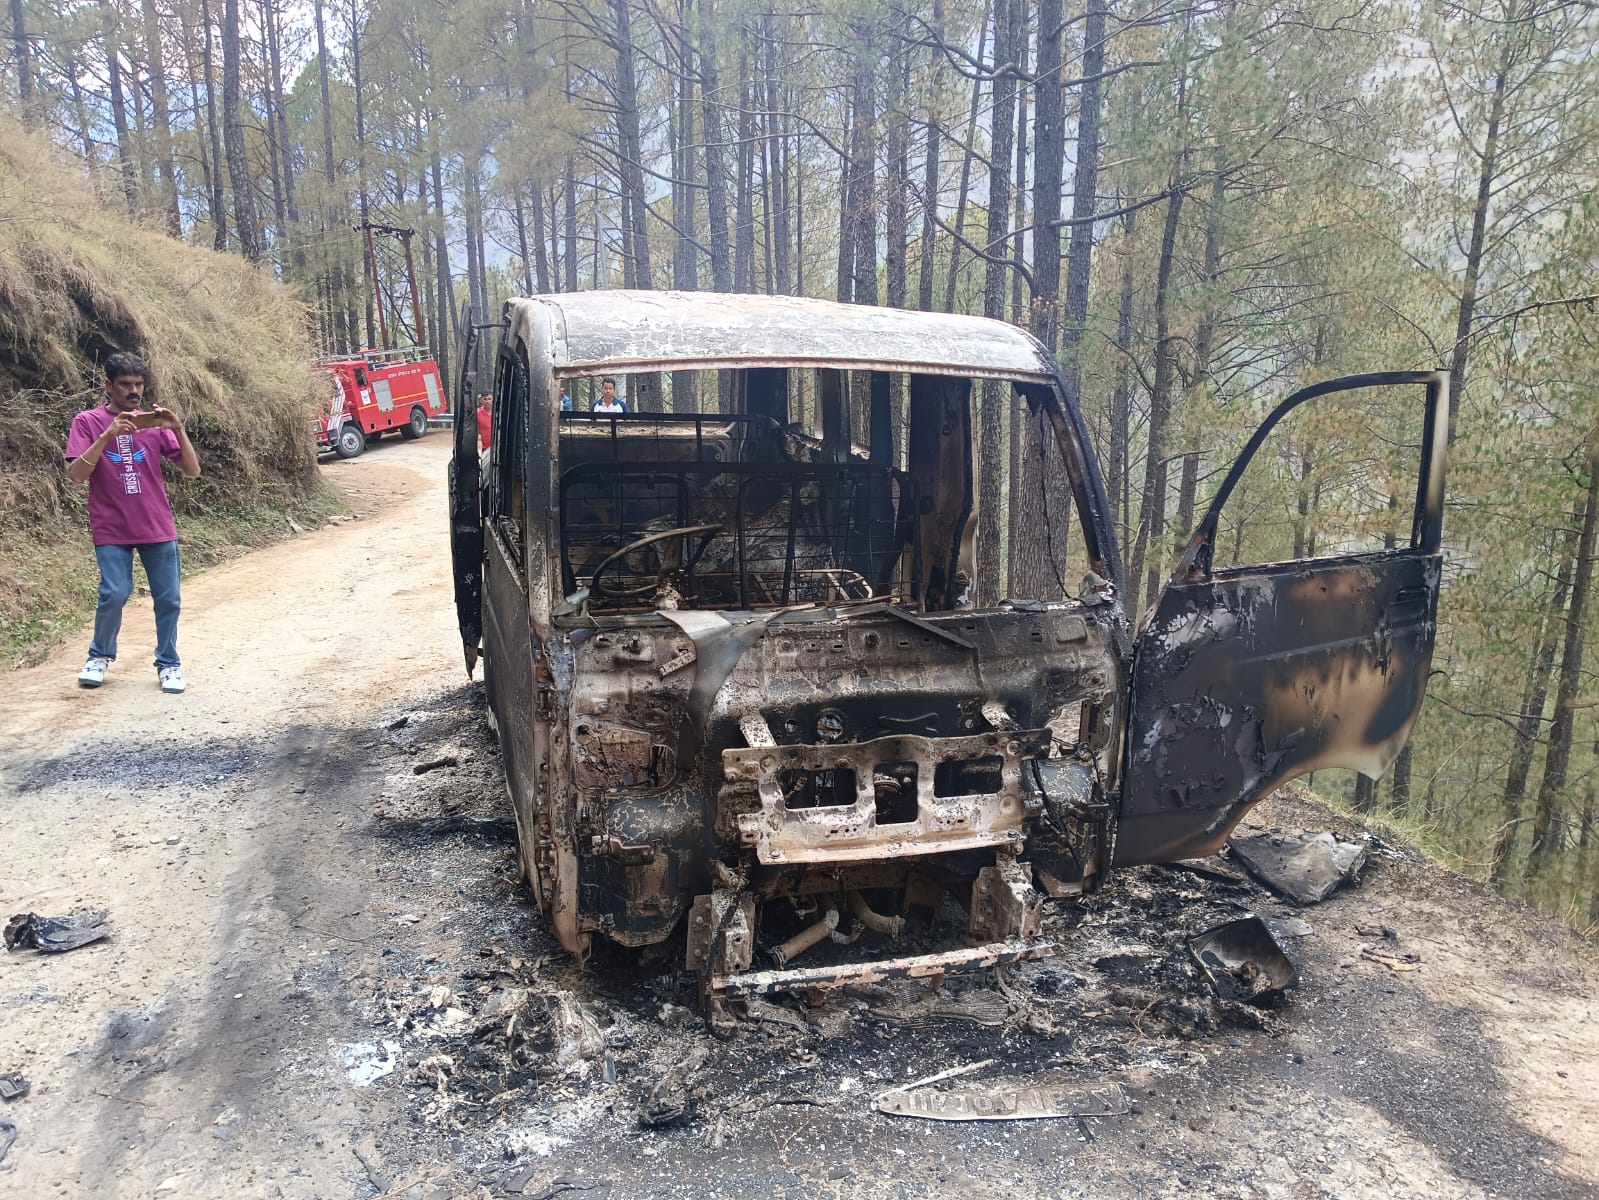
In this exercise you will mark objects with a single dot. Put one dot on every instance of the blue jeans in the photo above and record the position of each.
(160, 561)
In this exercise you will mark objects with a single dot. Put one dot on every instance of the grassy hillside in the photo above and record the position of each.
(229, 352)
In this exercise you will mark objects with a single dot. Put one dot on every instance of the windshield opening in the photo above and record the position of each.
(768, 488)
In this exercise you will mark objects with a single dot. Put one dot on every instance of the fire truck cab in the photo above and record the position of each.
(373, 393)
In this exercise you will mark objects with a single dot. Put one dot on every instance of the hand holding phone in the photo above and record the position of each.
(159, 419)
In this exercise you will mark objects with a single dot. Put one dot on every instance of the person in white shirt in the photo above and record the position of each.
(609, 401)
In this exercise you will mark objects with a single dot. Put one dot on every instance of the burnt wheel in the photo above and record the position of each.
(350, 442)
(416, 426)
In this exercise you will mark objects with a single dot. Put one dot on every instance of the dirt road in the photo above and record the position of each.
(324, 983)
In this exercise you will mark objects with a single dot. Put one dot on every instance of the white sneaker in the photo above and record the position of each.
(171, 679)
(93, 673)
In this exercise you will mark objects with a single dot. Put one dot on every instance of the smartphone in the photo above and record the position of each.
(144, 420)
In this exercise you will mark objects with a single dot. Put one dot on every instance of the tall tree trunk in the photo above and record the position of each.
(898, 155)
(846, 206)
(989, 6)
(1365, 797)
(1204, 340)
(799, 225)
(1030, 554)
(192, 72)
(444, 284)
(631, 146)
(1085, 187)
(541, 260)
(1121, 390)
(1016, 467)
(280, 113)
(764, 156)
(80, 114)
(24, 51)
(570, 181)
(1020, 39)
(991, 453)
(1487, 177)
(280, 211)
(476, 273)
(233, 137)
(219, 209)
(930, 164)
(1534, 697)
(327, 104)
(141, 134)
(780, 223)
(360, 169)
(715, 155)
(119, 106)
(744, 185)
(163, 120)
(1547, 834)
(521, 240)
(646, 395)
(552, 201)
(344, 336)
(1152, 510)
(863, 160)
(1038, 547)
(685, 266)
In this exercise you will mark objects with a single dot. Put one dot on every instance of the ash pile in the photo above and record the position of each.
(528, 1053)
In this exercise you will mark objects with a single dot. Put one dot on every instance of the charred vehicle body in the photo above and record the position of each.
(755, 674)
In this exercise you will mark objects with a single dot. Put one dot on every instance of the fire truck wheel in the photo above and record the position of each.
(416, 426)
(351, 441)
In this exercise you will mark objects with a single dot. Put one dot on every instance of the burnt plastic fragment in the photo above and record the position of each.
(1305, 869)
(1244, 962)
(54, 935)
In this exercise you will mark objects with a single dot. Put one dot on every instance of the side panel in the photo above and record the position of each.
(507, 626)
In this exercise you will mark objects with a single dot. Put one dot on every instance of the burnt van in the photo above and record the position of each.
(829, 631)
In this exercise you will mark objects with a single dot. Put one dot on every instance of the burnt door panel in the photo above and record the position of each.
(466, 517)
(1246, 678)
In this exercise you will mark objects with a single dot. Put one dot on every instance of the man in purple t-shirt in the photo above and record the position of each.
(117, 449)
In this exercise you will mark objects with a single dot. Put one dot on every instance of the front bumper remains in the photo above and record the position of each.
(852, 833)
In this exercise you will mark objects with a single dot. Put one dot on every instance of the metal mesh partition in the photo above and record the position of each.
(714, 512)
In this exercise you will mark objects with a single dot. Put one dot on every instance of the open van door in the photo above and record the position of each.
(1247, 677)
(466, 518)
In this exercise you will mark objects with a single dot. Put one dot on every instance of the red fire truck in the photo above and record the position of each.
(377, 392)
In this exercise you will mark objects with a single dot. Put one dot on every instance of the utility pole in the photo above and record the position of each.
(405, 236)
(410, 275)
(377, 287)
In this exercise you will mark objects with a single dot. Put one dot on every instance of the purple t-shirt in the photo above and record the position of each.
(128, 503)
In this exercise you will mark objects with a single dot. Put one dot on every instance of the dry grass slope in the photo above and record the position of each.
(229, 350)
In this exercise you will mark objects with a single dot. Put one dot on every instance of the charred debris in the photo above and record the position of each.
(1150, 968)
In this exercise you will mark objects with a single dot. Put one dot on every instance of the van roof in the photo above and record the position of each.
(633, 331)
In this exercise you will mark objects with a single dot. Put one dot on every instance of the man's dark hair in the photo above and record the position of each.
(124, 362)
(608, 380)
